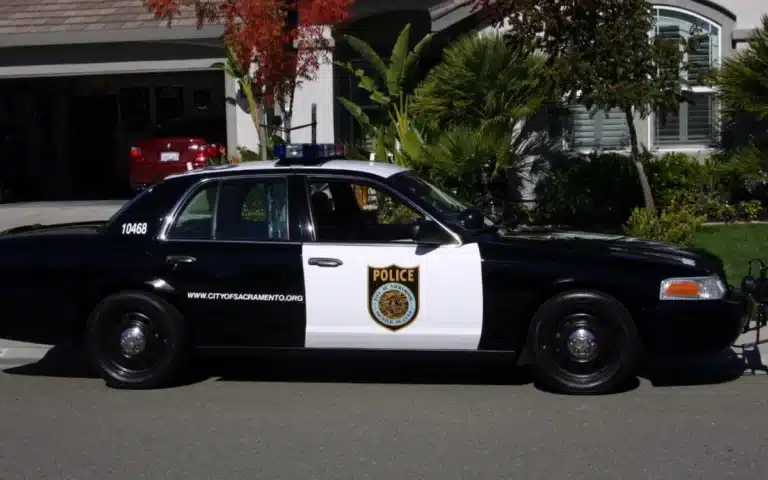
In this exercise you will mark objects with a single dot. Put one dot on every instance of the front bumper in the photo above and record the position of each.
(695, 328)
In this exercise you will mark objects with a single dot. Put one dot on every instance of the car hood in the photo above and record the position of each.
(580, 242)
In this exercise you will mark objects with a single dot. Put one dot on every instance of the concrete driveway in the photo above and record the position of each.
(18, 214)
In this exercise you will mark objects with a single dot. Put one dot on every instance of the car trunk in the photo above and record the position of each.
(164, 156)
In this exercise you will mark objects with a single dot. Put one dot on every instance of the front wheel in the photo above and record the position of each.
(583, 342)
(136, 340)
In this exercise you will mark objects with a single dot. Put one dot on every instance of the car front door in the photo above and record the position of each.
(228, 257)
(369, 285)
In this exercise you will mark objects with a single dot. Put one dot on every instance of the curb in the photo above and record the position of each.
(11, 356)
(740, 222)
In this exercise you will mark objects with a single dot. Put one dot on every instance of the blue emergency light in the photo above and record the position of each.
(307, 152)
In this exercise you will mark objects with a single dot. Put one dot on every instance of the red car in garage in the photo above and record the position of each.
(177, 145)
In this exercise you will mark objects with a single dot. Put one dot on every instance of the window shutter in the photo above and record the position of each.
(584, 128)
(667, 133)
(599, 131)
(700, 119)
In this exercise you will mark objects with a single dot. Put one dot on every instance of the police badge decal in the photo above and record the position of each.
(393, 295)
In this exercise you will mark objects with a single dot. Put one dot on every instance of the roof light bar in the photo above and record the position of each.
(302, 152)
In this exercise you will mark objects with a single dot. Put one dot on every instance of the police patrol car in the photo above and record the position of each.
(318, 252)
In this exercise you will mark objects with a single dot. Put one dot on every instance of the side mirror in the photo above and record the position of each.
(424, 230)
(472, 219)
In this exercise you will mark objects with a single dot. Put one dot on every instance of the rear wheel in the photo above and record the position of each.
(584, 342)
(136, 340)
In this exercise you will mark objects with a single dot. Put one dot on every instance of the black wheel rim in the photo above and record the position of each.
(132, 344)
(582, 346)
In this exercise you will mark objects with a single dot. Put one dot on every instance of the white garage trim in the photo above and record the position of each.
(74, 69)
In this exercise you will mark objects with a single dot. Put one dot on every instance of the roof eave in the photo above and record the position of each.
(452, 12)
(159, 33)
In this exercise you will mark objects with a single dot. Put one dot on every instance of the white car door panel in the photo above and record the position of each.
(393, 296)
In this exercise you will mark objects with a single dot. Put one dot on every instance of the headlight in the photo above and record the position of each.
(692, 288)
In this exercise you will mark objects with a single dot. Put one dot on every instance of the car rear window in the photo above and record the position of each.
(212, 127)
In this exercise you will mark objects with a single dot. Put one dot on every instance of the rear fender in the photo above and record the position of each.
(98, 292)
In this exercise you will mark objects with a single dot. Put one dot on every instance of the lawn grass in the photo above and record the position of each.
(736, 244)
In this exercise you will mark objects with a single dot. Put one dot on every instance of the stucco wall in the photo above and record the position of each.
(747, 12)
(319, 91)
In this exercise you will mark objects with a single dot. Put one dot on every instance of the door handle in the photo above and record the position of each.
(325, 262)
(179, 259)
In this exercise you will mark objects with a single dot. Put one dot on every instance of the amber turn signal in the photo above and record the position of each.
(683, 289)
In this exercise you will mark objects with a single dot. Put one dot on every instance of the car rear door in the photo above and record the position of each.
(370, 286)
(229, 256)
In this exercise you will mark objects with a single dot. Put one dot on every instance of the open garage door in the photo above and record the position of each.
(70, 138)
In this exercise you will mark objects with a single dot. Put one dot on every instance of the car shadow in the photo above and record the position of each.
(311, 367)
(394, 368)
(726, 367)
(59, 361)
(435, 368)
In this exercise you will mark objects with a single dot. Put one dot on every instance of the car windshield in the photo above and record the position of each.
(418, 188)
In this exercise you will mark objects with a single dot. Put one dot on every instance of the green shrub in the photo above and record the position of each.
(588, 191)
(718, 210)
(675, 175)
(247, 155)
(737, 174)
(750, 210)
(603, 190)
(675, 225)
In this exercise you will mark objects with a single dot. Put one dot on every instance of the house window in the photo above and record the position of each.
(693, 123)
(598, 131)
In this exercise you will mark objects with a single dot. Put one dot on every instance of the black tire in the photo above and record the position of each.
(164, 331)
(589, 370)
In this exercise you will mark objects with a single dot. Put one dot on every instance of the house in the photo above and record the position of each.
(724, 27)
(81, 80)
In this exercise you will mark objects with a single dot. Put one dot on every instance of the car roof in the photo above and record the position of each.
(380, 169)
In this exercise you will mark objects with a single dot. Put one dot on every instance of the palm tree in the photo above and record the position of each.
(476, 106)
(743, 88)
(484, 81)
(391, 88)
(465, 124)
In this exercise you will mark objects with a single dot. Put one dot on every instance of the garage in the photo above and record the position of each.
(80, 83)
(69, 137)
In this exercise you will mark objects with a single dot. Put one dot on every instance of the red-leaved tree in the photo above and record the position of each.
(282, 40)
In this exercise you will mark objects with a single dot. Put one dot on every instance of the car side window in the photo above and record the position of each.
(355, 211)
(195, 220)
(252, 210)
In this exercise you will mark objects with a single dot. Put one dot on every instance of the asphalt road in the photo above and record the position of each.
(340, 416)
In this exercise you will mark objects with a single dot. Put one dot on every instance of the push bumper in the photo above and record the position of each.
(695, 328)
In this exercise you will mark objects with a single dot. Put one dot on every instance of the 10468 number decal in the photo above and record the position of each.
(134, 229)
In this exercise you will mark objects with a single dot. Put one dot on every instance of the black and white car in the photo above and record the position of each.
(315, 251)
